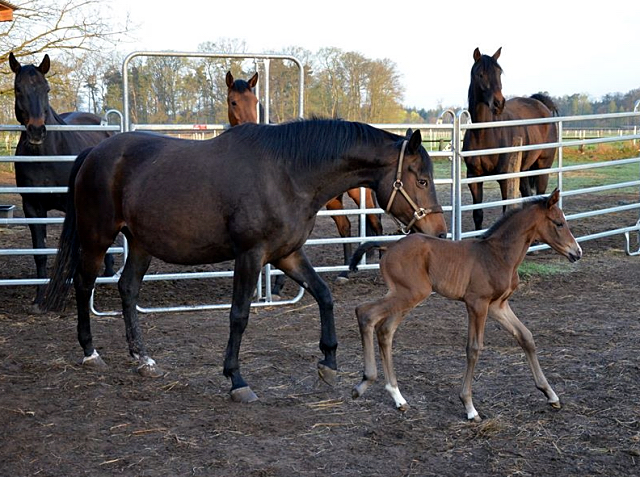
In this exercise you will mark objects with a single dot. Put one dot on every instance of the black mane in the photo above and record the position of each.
(303, 143)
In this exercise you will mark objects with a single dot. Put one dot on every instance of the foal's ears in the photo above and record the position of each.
(253, 81)
(476, 54)
(496, 55)
(415, 141)
(553, 198)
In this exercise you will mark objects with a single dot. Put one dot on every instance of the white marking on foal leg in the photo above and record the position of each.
(401, 403)
(472, 414)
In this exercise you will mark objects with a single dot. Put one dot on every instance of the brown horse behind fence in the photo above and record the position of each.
(483, 273)
(487, 104)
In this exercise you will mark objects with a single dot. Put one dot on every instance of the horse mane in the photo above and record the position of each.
(529, 202)
(304, 144)
(490, 66)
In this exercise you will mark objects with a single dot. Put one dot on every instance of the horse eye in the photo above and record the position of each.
(423, 182)
(233, 103)
(559, 224)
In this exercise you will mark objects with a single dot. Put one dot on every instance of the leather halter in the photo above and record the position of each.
(419, 213)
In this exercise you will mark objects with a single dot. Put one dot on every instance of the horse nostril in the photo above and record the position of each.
(442, 235)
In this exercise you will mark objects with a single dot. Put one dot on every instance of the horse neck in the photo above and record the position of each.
(510, 242)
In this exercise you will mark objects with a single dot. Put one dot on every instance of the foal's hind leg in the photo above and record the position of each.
(506, 317)
(129, 287)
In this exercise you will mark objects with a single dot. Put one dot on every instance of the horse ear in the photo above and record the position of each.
(408, 133)
(496, 55)
(477, 55)
(415, 141)
(45, 65)
(14, 63)
(229, 79)
(553, 198)
(253, 81)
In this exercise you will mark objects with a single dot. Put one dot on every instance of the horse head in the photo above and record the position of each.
(412, 198)
(486, 85)
(552, 229)
(241, 101)
(31, 97)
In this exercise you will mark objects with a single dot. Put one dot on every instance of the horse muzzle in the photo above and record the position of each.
(36, 134)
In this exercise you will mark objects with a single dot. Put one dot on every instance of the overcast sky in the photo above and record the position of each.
(562, 47)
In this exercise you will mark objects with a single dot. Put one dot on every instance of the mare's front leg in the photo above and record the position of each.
(38, 240)
(245, 277)
(476, 190)
(298, 267)
(477, 312)
(129, 284)
(507, 318)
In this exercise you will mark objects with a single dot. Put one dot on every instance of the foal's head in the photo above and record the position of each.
(241, 101)
(486, 85)
(32, 97)
(552, 228)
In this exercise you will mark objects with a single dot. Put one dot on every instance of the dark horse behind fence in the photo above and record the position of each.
(487, 104)
(34, 112)
(251, 194)
(241, 102)
(482, 272)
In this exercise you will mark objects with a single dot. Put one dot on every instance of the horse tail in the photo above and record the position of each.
(362, 249)
(548, 102)
(68, 255)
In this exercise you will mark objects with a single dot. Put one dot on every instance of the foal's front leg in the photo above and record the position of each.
(503, 313)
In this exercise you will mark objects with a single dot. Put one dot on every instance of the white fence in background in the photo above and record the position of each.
(452, 192)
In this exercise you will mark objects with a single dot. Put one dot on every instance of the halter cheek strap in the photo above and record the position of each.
(419, 213)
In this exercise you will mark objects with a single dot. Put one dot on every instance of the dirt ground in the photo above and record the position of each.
(59, 419)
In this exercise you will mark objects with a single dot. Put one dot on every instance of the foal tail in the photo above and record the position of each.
(362, 249)
(68, 254)
(548, 102)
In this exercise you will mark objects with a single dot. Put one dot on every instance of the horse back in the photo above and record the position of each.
(80, 118)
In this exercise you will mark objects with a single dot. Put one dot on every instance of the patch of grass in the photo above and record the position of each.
(532, 269)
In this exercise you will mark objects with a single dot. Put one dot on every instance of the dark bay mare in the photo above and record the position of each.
(250, 194)
(34, 112)
(487, 104)
(242, 103)
(481, 272)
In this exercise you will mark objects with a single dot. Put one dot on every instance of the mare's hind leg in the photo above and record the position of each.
(129, 287)
(298, 267)
(506, 317)
(83, 281)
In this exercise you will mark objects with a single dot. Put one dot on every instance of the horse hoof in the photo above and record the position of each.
(94, 362)
(243, 395)
(403, 407)
(150, 371)
(36, 309)
(340, 280)
(327, 374)
(556, 405)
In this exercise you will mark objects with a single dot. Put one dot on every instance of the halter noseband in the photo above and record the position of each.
(419, 213)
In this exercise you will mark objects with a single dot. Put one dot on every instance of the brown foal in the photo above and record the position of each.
(482, 272)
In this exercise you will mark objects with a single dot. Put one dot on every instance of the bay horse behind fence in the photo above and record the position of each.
(34, 112)
(481, 272)
(250, 194)
(487, 104)
(242, 104)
